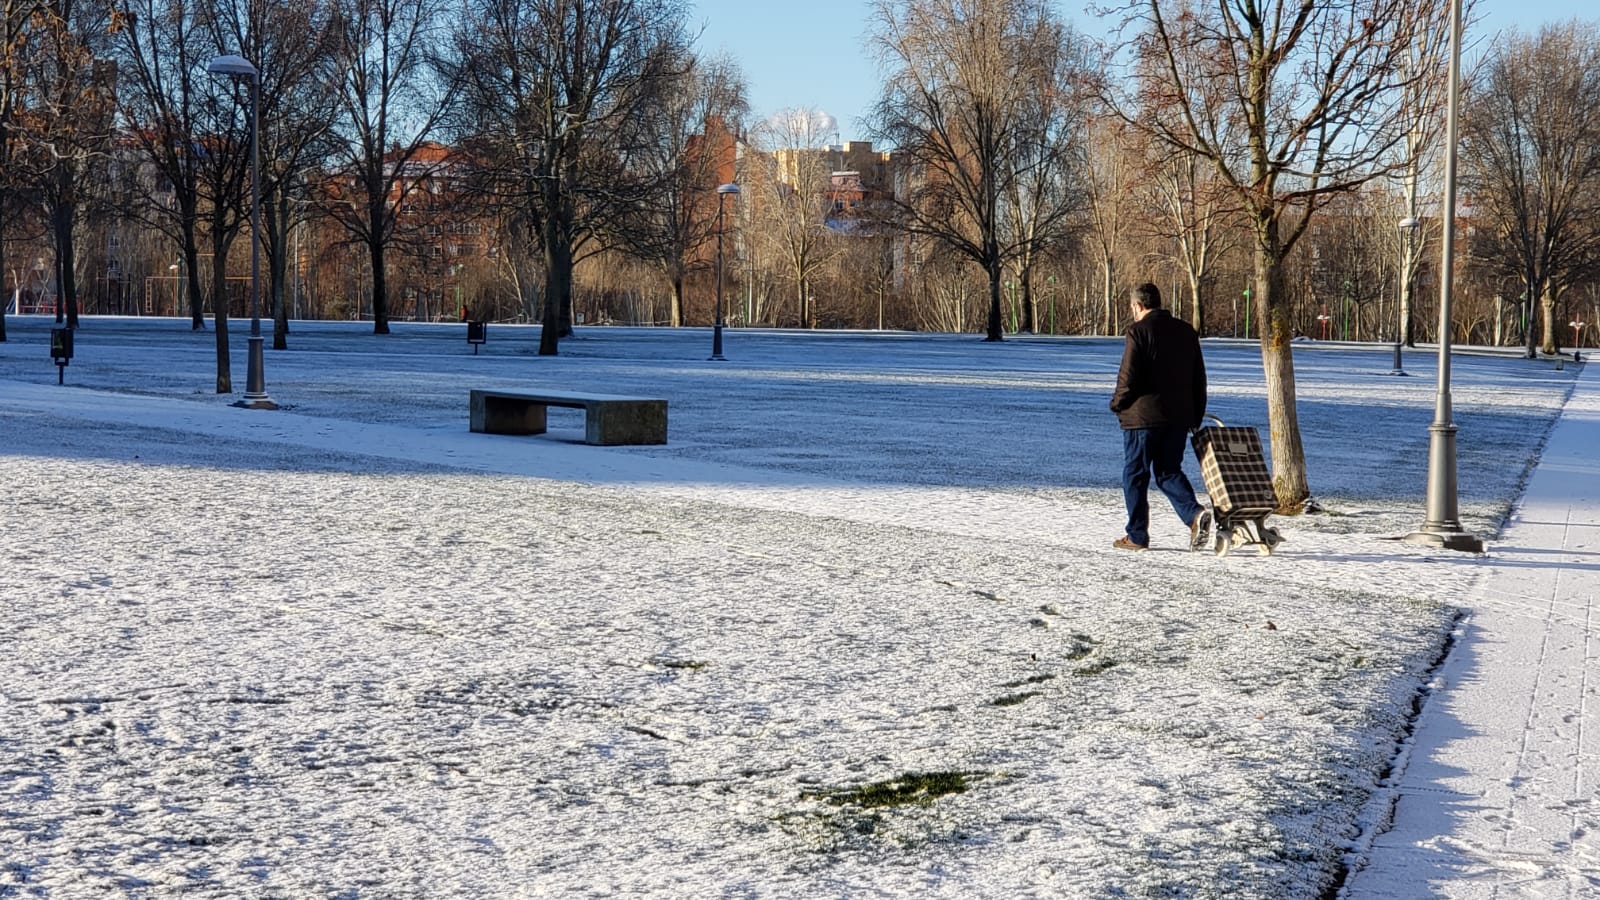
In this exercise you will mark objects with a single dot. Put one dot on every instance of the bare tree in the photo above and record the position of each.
(1317, 90)
(164, 96)
(16, 21)
(796, 201)
(69, 123)
(293, 44)
(1422, 112)
(1046, 197)
(1531, 150)
(689, 152)
(959, 102)
(391, 100)
(559, 92)
(1190, 210)
(1110, 173)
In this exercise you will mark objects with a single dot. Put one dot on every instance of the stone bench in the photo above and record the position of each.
(608, 419)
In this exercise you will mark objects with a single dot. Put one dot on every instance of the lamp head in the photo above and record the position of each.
(729, 188)
(1410, 224)
(232, 64)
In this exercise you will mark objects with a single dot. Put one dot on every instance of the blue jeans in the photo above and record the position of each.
(1157, 451)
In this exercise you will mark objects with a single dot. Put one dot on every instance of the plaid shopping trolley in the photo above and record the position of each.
(1236, 477)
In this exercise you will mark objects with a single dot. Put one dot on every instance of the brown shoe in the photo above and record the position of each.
(1200, 530)
(1126, 543)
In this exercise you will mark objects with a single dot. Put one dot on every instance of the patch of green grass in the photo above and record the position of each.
(918, 788)
(693, 665)
(1037, 679)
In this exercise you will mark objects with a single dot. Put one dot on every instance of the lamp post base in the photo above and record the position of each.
(716, 344)
(1448, 540)
(1397, 370)
(255, 383)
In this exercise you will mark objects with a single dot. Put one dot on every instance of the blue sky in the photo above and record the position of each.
(812, 53)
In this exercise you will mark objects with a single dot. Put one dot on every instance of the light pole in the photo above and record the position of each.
(455, 274)
(255, 385)
(1443, 525)
(1408, 231)
(1577, 328)
(723, 190)
(177, 290)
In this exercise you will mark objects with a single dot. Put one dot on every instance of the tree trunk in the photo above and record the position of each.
(675, 314)
(63, 221)
(1404, 332)
(380, 287)
(277, 272)
(558, 280)
(1530, 320)
(1030, 308)
(220, 306)
(1109, 323)
(16, 290)
(1197, 316)
(996, 327)
(1547, 303)
(191, 277)
(1277, 360)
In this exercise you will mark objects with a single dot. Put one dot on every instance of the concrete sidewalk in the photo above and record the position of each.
(1498, 798)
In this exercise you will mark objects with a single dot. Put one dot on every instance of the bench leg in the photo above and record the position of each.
(497, 415)
(637, 422)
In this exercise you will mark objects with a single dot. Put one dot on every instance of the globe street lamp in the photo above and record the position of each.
(1408, 233)
(255, 385)
(723, 190)
(1443, 525)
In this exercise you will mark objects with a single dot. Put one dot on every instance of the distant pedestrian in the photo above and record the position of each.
(1160, 398)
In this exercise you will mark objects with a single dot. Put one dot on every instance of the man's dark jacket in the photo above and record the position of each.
(1163, 378)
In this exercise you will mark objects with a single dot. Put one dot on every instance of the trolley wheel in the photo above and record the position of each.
(1227, 537)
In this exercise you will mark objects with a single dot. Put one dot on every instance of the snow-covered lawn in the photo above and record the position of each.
(856, 630)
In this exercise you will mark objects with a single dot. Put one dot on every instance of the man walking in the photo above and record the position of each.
(1160, 397)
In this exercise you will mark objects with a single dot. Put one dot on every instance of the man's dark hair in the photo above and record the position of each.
(1147, 296)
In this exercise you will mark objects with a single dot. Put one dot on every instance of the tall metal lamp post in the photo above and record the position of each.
(1443, 525)
(723, 190)
(1408, 233)
(255, 385)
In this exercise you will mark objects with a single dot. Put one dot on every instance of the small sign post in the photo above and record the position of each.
(477, 333)
(61, 351)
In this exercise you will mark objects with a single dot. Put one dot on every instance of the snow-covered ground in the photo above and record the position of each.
(856, 630)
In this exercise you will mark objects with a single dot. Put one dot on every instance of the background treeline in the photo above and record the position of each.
(557, 160)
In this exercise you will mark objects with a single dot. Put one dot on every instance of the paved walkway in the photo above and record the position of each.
(1500, 797)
